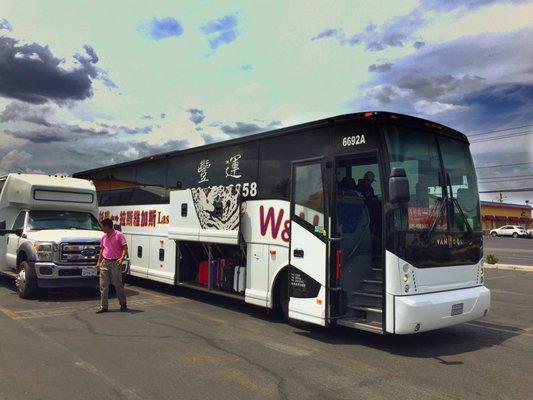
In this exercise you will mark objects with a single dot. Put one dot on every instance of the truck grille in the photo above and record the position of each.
(79, 253)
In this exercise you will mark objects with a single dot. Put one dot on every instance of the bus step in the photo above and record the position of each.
(365, 308)
(377, 273)
(358, 323)
(373, 281)
(372, 285)
(368, 294)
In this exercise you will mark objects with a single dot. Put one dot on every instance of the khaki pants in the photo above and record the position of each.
(111, 272)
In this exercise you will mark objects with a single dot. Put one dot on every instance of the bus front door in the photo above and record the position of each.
(308, 244)
(358, 277)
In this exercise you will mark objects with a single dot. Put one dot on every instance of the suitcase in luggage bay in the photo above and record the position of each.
(229, 272)
(213, 273)
(202, 272)
(239, 279)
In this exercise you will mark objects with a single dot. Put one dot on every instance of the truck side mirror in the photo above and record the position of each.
(398, 186)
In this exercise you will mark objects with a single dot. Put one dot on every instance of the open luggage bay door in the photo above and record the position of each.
(210, 215)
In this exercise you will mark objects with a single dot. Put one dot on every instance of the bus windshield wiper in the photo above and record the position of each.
(443, 204)
(455, 202)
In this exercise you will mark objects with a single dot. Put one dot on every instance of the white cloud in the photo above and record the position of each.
(15, 159)
(131, 153)
(435, 107)
(177, 127)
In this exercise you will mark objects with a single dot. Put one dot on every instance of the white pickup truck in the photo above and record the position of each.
(49, 232)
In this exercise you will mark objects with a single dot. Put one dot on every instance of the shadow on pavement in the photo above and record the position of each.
(436, 344)
(62, 295)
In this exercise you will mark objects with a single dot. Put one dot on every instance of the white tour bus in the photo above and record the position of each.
(366, 220)
(51, 235)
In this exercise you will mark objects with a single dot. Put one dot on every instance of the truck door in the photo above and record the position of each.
(12, 241)
(308, 243)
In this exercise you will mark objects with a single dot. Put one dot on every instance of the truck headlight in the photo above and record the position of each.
(43, 251)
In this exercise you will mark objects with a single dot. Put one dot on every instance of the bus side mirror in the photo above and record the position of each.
(398, 186)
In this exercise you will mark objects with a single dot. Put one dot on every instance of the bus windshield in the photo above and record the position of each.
(46, 220)
(441, 200)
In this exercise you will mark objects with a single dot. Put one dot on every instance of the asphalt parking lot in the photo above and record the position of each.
(509, 250)
(179, 344)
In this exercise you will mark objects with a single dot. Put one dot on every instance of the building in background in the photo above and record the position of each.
(496, 214)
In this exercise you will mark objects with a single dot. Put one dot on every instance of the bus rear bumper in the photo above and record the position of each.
(425, 312)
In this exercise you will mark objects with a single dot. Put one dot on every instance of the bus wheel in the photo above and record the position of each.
(283, 296)
(26, 283)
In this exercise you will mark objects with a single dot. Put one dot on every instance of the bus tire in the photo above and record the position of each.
(26, 282)
(283, 296)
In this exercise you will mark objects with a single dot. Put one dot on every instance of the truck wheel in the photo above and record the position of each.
(26, 283)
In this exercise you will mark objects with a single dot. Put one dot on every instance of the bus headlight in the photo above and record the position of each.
(43, 251)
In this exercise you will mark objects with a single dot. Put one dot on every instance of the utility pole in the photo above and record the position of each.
(501, 198)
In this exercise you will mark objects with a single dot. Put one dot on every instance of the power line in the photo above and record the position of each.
(504, 165)
(500, 130)
(506, 177)
(504, 180)
(501, 137)
(508, 190)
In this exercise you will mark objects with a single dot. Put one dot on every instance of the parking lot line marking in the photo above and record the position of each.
(500, 277)
(60, 311)
(124, 391)
(8, 312)
(509, 292)
(153, 294)
(520, 332)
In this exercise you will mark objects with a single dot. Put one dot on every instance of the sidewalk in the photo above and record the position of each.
(527, 268)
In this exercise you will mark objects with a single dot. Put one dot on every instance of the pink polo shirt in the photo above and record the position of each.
(112, 245)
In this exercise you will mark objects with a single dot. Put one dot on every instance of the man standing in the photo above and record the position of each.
(112, 254)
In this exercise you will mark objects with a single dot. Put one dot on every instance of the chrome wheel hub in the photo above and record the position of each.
(21, 279)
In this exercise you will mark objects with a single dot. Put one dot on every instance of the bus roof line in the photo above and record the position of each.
(375, 116)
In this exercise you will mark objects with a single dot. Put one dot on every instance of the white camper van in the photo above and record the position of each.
(51, 235)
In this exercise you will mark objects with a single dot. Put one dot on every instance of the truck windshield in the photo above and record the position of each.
(46, 220)
(435, 193)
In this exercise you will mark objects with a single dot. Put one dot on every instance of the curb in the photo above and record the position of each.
(527, 268)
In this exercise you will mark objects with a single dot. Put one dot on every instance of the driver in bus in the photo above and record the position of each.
(364, 186)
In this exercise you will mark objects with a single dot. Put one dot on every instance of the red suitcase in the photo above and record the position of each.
(203, 271)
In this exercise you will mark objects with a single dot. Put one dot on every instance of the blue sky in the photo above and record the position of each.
(89, 83)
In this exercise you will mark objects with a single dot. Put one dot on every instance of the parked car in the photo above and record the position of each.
(510, 230)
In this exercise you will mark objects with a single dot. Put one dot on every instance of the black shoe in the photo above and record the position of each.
(101, 310)
(124, 308)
